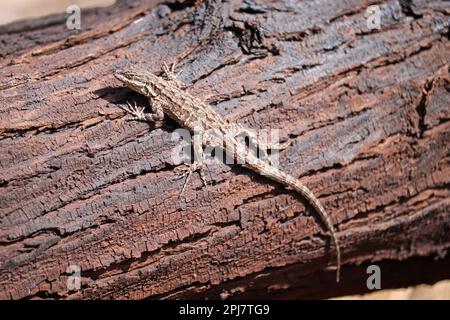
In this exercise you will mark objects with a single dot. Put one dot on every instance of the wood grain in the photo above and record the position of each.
(366, 111)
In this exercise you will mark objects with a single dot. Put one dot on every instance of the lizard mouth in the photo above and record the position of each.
(119, 75)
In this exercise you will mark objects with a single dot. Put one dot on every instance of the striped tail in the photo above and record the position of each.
(291, 182)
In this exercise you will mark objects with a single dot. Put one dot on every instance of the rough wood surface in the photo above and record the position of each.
(367, 112)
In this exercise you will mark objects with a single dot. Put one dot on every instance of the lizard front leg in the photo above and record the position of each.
(172, 76)
(138, 112)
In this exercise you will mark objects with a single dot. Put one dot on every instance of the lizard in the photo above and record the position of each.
(167, 97)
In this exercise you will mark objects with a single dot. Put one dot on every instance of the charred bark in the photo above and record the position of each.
(366, 111)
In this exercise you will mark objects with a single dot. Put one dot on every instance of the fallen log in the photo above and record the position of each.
(365, 109)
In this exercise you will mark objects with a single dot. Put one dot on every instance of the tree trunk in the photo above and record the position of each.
(366, 111)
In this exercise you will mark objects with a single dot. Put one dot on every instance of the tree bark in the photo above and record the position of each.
(366, 111)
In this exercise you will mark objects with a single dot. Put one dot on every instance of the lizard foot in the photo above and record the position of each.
(171, 75)
(188, 171)
(138, 113)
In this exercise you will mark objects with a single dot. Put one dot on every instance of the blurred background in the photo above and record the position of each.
(13, 10)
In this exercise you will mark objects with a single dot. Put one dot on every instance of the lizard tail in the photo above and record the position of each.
(293, 183)
(305, 192)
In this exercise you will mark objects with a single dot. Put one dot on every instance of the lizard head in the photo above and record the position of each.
(144, 82)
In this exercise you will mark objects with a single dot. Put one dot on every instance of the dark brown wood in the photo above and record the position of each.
(367, 112)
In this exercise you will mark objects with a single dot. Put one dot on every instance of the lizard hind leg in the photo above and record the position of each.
(188, 171)
(198, 165)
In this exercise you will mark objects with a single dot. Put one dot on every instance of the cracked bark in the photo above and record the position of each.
(366, 111)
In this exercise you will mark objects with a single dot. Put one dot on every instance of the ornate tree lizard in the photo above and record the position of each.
(166, 97)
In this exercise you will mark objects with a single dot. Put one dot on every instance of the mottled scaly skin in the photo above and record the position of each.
(167, 98)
